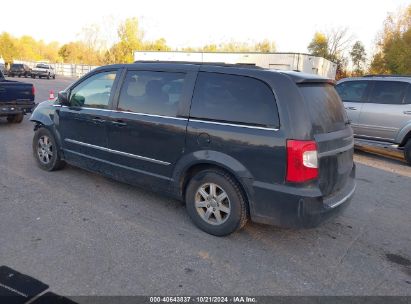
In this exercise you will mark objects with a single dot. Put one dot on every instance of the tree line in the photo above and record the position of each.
(91, 48)
(392, 55)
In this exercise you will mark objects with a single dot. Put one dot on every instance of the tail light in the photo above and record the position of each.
(33, 90)
(302, 161)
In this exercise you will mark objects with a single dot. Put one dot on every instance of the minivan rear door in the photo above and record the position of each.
(148, 127)
(333, 135)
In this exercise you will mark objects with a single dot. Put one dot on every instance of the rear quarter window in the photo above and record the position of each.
(388, 92)
(235, 99)
(324, 107)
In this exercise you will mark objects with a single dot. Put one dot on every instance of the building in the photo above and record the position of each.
(276, 61)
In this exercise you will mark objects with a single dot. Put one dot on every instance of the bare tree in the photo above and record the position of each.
(339, 42)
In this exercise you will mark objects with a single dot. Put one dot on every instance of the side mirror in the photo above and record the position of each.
(63, 98)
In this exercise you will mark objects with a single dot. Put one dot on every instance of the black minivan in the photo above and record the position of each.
(234, 142)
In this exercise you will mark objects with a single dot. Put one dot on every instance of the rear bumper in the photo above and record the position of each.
(11, 108)
(294, 207)
(40, 73)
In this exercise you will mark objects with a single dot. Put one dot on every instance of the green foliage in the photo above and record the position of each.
(92, 46)
(394, 45)
(319, 45)
(7, 47)
(358, 57)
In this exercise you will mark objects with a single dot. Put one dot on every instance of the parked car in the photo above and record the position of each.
(43, 70)
(379, 108)
(232, 141)
(16, 99)
(19, 69)
(2, 68)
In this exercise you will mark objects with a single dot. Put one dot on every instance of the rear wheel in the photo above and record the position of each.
(45, 151)
(215, 202)
(407, 151)
(15, 118)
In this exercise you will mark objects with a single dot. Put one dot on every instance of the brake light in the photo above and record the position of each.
(302, 160)
(33, 90)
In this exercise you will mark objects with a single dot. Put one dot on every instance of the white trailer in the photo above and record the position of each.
(276, 61)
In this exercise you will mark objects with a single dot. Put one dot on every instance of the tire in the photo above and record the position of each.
(407, 152)
(235, 213)
(48, 76)
(15, 118)
(54, 76)
(44, 143)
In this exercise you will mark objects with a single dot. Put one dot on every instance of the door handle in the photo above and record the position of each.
(98, 120)
(119, 123)
(407, 112)
(351, 108)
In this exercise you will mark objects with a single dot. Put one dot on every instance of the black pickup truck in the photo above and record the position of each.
(16, 99)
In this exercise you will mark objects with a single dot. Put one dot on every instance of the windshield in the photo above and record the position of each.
(42, 66)
(325, 107)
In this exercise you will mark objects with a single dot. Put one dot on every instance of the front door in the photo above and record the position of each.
(83, 124)
(353, 94)
(148, 128)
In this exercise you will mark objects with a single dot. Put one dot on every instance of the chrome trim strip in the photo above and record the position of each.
(344, 199)
(233, 125)
(151, 115)
(336, 151)
(128, 112)
(160, 162)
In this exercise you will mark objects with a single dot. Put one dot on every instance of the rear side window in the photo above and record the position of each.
(354, 91)
(150, 92)
(232, 98)
(325, 107)
(388, 92)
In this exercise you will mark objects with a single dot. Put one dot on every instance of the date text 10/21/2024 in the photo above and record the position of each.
(203, 299)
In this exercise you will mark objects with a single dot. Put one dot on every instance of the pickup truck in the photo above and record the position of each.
(19, 69)
(16, 99)
(43, 70)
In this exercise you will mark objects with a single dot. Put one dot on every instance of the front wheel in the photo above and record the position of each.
(215, 202)
(45, 150)
(407, 152)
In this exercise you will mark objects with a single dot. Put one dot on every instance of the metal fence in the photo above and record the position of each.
(65, 69)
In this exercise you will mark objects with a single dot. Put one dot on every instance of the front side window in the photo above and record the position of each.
(93, 92)
(151, 92)
(388, 92)
(233, 98)
(354, 91)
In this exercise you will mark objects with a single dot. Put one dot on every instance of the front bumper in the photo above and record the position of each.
(294, 207)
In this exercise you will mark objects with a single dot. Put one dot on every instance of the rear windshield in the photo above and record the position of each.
(16, 66)
(325, 107)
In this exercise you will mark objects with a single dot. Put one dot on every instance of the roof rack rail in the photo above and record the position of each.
(222, 64)
(385, 75)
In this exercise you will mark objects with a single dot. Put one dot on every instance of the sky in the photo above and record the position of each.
(291, 24)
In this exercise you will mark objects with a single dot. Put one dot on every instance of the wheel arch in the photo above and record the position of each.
(192, 164)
